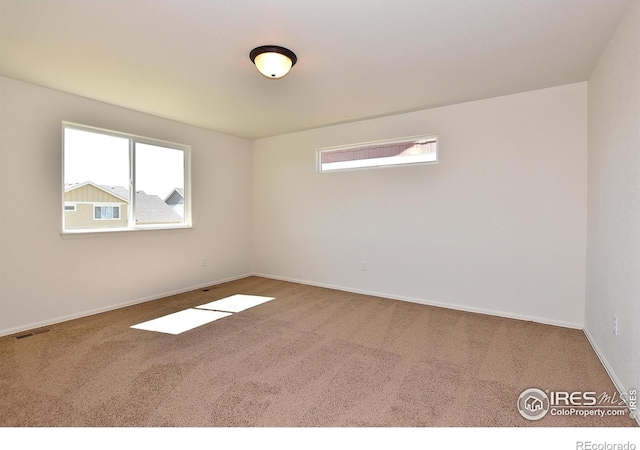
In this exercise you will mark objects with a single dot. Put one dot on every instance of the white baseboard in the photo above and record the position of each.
(491, 312)
(33, 325)
(614, 378)
(45, 323)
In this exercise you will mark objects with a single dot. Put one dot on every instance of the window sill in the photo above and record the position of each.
(69, 234)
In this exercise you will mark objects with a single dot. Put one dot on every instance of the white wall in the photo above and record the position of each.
(44, 278)
(613, 251)
(498, 225)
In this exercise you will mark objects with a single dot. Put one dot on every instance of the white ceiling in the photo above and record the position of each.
(188, 60)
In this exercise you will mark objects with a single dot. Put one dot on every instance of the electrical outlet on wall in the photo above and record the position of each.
(363, 266)
(203, 262)
(615, 325)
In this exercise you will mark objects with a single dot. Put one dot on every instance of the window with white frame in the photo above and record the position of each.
(116, 181)
(394, 152)
(106, 212)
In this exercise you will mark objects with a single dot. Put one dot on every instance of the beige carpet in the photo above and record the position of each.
(312, 357)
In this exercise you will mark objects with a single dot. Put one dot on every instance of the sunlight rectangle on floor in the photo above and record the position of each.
(236, 303)
(181, 321)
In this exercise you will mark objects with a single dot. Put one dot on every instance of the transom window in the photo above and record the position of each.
(115, 181)
(411, 150)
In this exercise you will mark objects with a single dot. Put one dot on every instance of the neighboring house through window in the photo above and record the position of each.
(109, 204)
(176, 200)
(96, 207)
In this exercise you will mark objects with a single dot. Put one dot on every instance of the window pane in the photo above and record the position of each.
(96, 170)
(159, 181)
(97, 158)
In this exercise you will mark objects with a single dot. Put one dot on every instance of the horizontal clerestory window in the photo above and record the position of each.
(405, 151)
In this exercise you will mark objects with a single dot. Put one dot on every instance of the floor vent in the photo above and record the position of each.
(41, 330)
(205, 290)
(32, 333)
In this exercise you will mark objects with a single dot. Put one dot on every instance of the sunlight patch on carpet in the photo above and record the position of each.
(181, 321)
(236, 303)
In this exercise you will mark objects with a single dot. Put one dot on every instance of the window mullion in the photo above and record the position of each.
(131, 210)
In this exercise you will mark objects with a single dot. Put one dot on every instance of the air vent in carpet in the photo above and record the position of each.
(207, 289)
(32, 333)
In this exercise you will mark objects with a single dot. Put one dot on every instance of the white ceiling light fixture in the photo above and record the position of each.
(273, 61)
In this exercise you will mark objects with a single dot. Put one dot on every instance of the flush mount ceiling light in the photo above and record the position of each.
(273, 61)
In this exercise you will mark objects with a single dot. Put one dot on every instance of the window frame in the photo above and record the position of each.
(131, 206)
(381, 165)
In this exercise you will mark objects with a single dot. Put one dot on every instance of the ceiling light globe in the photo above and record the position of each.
(273, 61)
(273, 65)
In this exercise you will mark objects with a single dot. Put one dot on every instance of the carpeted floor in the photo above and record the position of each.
(312, 357)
